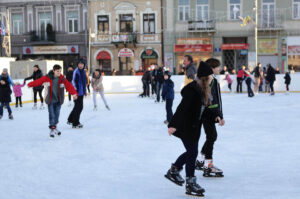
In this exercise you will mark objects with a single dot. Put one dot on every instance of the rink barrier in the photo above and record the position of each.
(133, 85)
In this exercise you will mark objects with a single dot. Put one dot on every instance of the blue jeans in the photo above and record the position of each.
(158, 89)
(2, 104)
(169, 104)
(54, 110)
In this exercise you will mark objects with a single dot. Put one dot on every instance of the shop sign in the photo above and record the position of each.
(103, 55)
(194, 48)
(267, 46)
(193, 41)
(293, 50)
(149, 53)
(125, 52)
(30, 50)
(235, 46)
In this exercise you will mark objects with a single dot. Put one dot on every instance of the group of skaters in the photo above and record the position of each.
(54, 84)
(201, 105)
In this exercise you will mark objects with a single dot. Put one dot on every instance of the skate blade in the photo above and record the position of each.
(177, 183)
(218, 175)
(194, 195)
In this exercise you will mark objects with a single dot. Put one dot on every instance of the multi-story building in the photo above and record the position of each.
(212, 28)
(47, 29)
(125, 34)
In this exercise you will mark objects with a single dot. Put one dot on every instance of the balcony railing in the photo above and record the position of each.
(42, 36)
(124, 38)
(201, 26)
(127, 38)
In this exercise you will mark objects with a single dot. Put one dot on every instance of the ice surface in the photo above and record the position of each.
(124, 153)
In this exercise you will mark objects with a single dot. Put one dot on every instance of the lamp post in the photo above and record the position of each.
(91, 35)
(256, 31)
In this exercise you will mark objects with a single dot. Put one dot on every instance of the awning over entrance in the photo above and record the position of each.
(235, 46)
(103, 55)
(149, 54)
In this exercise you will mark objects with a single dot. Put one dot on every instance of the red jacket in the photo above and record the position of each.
(241, 74)
(47, 82)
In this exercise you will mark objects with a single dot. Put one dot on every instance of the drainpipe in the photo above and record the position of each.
(162, 34)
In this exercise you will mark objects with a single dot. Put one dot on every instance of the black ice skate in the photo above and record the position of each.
(173, 174)
(11, 117)
(199, 165)
(212, 172)
(192, 188)
(79, 126)
(107, 107)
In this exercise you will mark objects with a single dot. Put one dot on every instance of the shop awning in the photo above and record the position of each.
(235, 46)
(149, 54)
(193, 48)
(103, 55)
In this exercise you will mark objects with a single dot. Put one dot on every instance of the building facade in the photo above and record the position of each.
(213, 28)
(125, 35)
(47, 29)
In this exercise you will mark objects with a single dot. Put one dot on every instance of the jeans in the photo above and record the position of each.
(2, 104)
(239, 87)
(146, 88)
(188, 158)
(211, 137)
(272, 86)
(158, 89)
(54, 110)
(169, 104)
(74, 116)
(249, 89)
(95, 97)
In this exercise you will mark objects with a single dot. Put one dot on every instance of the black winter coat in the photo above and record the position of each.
(216, 104)
(5, 91)
(257, 72)
(287, 78)
(189, 114)
(159, 76)
(147, 77)
(69, 76)
(270, 74)
(36, 75)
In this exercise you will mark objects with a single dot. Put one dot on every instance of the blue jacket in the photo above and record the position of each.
(168, 90)
(79, 81)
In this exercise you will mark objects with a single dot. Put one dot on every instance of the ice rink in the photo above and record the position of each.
(124, 153)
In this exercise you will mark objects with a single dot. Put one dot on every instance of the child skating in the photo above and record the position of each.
(55, 84)
(287, 82)
(98, 88)
(229, 80)
(168, 95)
(17, 88)
(205, 158)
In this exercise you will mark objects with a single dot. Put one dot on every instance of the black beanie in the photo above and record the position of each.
(167, 73)
(204, 70)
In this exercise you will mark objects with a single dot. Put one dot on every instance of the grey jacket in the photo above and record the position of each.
(191, 71)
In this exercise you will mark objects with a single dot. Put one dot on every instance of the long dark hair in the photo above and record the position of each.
(203, 83)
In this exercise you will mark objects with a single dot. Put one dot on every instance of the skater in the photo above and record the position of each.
(146, 79)
(190, 69)
(37, 73)
(5, 93)
(205, 159)
(287, 81)
(69, 77)
(159, 80)
(98, 88)
(248, 81)
(55, 84)
(257, 77)
(240, 78)
(79, 82)
(229, 80)
(186, 125)
(17, 88)
(271, 78)
(168, 95)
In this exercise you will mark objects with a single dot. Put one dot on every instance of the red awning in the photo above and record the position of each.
(103, 55)
(235, 46)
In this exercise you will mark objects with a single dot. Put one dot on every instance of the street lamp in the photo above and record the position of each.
(91, 35)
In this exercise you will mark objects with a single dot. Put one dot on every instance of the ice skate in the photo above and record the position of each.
(199, 165)
(52, 133)
(79, 126)
(42, 107)
(95, 108)
(192, 188)
(34, 106)
(69, 123)
(166, 122)
(69, 104)
(57, 132)
(1, 117)
(21, 105)
(173, 175)
(209, 170)
(11, 117)
(107, 107)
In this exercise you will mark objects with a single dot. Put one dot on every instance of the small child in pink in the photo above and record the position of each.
(229, 80)
(17, 88)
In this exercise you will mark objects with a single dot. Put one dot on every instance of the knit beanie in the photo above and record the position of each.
(204, 70)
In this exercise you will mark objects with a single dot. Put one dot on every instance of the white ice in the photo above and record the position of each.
(124, 153)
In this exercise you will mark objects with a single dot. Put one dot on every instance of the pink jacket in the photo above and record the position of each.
(18, 90)
(228, 78)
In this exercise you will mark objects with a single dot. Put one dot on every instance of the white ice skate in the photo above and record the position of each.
(52, 133)
(57, 132)
(95, 108)
(34, 106)
(42, 107)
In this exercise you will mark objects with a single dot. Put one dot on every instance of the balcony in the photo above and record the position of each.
(42, 37)
(201, 26)
(124, 38)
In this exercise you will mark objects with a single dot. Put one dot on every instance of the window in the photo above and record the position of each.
(149, 23)
(45, 24)
(268, 13)
(126, 24)
(296, 9)
(183, 10)
(103, 23)
(234, 9)
(202, 10)
(72, 17)
(17, 22)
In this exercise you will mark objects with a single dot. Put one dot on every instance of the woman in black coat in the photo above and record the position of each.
(186, 124)
(37, 73)
(271, 78)
(5, 93)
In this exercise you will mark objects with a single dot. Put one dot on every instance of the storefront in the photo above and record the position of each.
(293, 53)
(68, 54)
(104, 61)
(268, 52)
(126, 61)
(235, 52)
(149, 57)
(199, 48)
